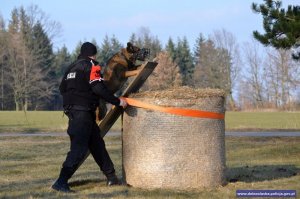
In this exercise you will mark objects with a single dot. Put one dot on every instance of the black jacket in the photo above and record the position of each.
(82, 84)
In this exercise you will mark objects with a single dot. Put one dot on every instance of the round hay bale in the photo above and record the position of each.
(162, 150)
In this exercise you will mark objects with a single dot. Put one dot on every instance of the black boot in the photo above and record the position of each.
(61, 184)
(112, 179)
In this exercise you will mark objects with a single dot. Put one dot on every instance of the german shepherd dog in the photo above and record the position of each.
(119, 67)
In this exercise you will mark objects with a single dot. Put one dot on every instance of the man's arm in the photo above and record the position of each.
(100, 89)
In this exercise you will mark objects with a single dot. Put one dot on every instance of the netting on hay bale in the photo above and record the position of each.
(162, 150)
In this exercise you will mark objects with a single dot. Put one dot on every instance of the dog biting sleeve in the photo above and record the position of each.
(95, 74)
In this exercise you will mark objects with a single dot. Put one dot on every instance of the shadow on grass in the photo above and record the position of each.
(31, 130)
(84, 182)
(260, 173)
(113, 194)
(20, 129)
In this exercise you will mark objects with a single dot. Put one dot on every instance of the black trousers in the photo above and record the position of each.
(85, 136)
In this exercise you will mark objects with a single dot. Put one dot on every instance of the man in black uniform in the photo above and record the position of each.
(81, 88)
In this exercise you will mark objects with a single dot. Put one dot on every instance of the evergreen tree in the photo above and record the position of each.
(61, 62)
(108, 48)
(144, 39)
(25, 28)
(132, 38)
(105, 51)
(76, 51)
(184, 60)
(93, 41)
(197, 49)
(2, 23)
(207, 66)
(13, 26)
(282, 27)
(145, 36)
(155, 47)
(211, 68)
(42, 48)
(170, 48)
(115, 44)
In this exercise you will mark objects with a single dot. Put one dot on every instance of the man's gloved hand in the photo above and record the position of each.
(123, 102)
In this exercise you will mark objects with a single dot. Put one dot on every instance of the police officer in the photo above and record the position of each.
(81, 88)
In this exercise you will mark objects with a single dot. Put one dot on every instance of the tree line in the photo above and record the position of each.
(252, 76)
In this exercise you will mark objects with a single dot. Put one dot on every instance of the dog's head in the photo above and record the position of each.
(121, 62)
(135, 53)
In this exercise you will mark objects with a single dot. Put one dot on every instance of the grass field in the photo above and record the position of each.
(54, 121)
(252, 121)
(29, 165)
(36, 121)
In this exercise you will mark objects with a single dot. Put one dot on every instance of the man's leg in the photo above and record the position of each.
(79, 130)
(101, 156)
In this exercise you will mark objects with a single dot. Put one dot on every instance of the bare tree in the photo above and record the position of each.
(166, 74)
(51, 27)
(245, 98)
(16, 70)
(282, 77)
(27, 79)
(254, 73)
(226, 40)
(2, 57)
(29, 55)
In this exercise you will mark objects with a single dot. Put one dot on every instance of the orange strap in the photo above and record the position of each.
(175, 111)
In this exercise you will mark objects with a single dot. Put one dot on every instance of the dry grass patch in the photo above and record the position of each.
(29, 165)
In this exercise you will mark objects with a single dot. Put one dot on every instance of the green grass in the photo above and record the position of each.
(257, 121)
(54, 121)
(29, 165)
(32, 121)
(36, 121)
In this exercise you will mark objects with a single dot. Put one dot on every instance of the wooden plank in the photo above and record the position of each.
(112, 116)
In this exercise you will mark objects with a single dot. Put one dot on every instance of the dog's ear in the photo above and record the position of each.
(130, 48)
(129, 44)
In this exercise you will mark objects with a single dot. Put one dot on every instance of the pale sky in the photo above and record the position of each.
(85, 20)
